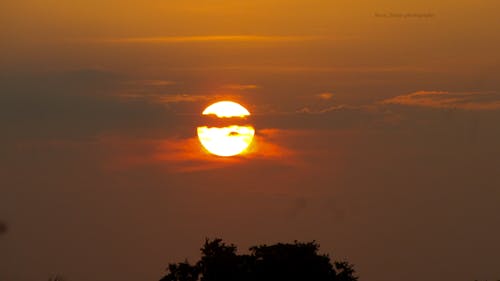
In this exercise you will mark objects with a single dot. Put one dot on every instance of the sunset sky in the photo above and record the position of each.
(377, 134)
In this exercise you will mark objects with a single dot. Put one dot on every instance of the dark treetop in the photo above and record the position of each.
(279, 262)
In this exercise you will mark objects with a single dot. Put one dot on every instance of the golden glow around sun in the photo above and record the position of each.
(230, 140)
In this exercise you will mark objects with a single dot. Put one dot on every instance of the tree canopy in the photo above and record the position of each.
(279, 262)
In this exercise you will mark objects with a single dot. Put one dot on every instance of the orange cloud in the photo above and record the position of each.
(208, 38)
(240, 87)
(325, 96)
(187, 155)
(443, 99)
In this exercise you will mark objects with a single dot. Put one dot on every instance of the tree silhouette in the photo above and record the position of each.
(278, 262)
(182, 271)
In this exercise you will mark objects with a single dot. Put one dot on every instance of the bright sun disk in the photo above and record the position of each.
(230, 140)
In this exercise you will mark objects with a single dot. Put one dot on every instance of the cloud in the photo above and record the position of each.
(444, 99)
(208, 38)
(152, 82)
(164, 98)
(313, 69)
(325, 96)
(75, 103)
(83, 81)
(240, 87)
(176, 154)
(309, 110)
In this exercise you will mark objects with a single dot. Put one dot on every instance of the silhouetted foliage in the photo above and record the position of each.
(182, 271)
(279, 262)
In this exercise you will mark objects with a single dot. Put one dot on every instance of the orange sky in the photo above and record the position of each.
(376, 134)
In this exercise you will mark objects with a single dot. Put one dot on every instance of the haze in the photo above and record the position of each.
(377, 134)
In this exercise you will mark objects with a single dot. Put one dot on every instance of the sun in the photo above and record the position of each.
(227, 140)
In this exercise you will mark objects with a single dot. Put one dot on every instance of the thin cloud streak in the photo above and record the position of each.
(308, 110)
(208, 38)
(240, 87)
(312, 69)
(163, 99)
(444, 99)
(155, 83)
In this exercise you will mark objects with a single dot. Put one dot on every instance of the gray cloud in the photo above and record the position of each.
(165, 98)
(71, 104)
(444, 99)
(151, 82)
